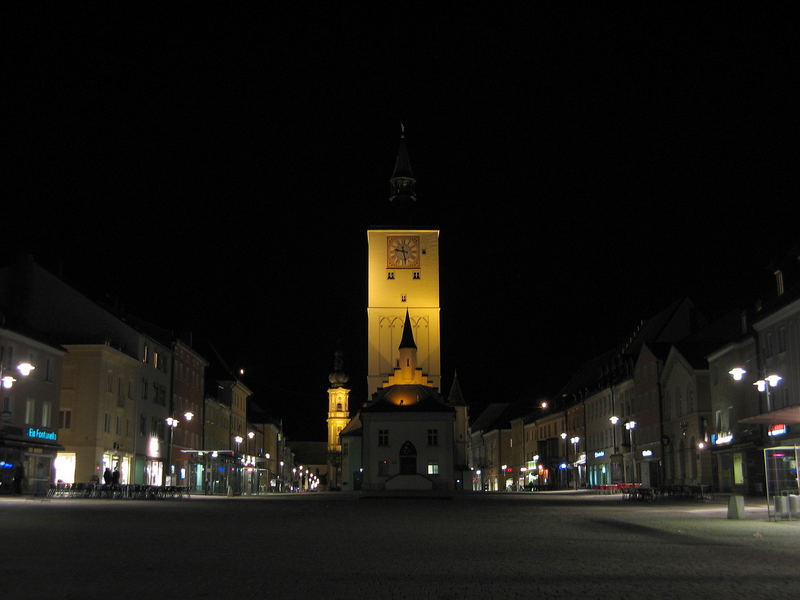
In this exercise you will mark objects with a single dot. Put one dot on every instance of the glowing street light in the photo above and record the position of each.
(737, 373)
(762, 385)
(24, 369)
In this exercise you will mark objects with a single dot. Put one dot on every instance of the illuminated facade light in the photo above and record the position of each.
(188, 415)
(630, 425)
(761, 385)
(563, 435)
(737, 373)
(238, 439)
(251, 434)
(8, 381)
(614, 420)
(773, 380)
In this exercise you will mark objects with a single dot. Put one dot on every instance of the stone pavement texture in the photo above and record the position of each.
(340, 546)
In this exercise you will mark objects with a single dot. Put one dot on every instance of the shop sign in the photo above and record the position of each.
(776, 430)
(600, 454)
(719, 439)
(40, 434)
(647, 453)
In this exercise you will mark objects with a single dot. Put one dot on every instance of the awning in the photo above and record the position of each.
(789, 415)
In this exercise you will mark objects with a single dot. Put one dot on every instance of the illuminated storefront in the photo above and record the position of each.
(34, 450)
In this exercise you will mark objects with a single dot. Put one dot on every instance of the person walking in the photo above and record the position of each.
(115, 476)
(107, 476)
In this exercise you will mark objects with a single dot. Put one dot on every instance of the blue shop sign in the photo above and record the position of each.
(40, 434)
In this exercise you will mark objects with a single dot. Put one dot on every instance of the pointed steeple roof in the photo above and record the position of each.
(408, 334)
(402, 181)
(455, 397)
(402, 164)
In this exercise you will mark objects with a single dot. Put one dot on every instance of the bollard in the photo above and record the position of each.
(781, 506)
(736, 507)
(794, 505)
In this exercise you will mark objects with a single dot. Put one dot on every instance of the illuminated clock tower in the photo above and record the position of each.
(403, 275)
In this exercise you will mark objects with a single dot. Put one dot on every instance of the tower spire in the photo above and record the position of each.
(408, 335)
(402, 181)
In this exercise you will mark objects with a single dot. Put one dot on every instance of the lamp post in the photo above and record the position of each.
(630, 426)
(762, 385)
(172, 423)
(23, 368)
(575, 440)
(7, 381)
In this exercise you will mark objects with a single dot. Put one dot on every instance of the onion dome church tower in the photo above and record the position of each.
(338, 416)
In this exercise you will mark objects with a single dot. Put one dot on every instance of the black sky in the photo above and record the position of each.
(217, 171)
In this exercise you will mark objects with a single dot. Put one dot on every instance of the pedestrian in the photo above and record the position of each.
(115, 476)
(107, 476)
(19, 478)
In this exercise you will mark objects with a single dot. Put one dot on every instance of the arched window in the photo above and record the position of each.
(408, 459)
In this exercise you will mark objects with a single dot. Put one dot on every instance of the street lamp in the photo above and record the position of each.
(630, 426)
(172, 423)
(575, 440)
(762, 385)
(24, 369)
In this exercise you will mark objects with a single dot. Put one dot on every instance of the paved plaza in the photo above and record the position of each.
(327, 545)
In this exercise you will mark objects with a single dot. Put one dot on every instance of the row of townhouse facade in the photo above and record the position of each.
(112, 394)
(661, 410)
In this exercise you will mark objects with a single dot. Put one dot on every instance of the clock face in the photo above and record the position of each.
(402, 252)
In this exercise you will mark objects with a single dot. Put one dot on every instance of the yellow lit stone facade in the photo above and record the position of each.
(403, 274)
(338, 416)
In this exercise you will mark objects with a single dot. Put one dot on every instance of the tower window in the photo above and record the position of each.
(383, 437)
(403, 298)
(390, 275)
(416, 275)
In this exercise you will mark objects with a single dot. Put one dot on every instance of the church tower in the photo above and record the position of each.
(403, 276)
(338, 417)
(338, 403)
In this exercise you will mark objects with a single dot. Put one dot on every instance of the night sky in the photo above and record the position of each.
(217, 171)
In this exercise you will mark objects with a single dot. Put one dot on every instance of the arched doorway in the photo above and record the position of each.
(408, 459)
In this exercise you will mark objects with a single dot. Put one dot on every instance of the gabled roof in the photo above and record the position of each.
(354, 427)
(490, 415)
